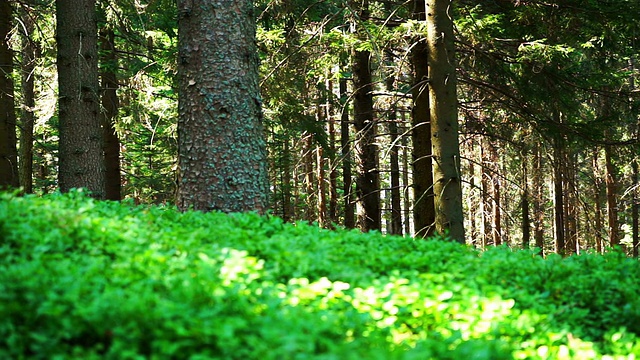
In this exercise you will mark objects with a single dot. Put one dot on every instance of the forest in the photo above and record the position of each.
(236, 179)
(542, 149)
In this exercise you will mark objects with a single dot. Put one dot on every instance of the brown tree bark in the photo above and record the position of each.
(597, 197)
(611, 183)
(366, 151)
(558, 188)
(538, 200)
(109, 113)
(81, 163)
(8, 148)
(221, 141)
(526, 216)
(395, 224)
(496, 196)
(424, 214)
(443, 104)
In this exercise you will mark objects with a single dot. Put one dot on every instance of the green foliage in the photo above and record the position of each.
(87, 279)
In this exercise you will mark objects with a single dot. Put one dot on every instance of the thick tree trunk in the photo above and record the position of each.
(81, 161)
(29, 50)
(367, 178)
(424, 215)
(9, 176)
(109, 112)
(443, 104)
(345, 145)
(221, 143)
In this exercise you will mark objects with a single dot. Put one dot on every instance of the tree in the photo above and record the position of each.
(81, 163)
(221, 144)
(27, 72)
(8, 150)
(423, 211)
(444, 120)
(367, 177)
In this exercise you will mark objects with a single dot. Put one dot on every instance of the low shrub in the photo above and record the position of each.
(87, 279)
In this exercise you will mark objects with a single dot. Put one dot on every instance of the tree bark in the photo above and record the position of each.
(221, 141)
(611, 182)
(345, 146)
(29, 51)
(367, 177)
(81, 163)
(526, 216)
(108, 114)
(395, 225)
(538, 200)
(9, 176)
(443, 104)
(558, 187)
(424, 215)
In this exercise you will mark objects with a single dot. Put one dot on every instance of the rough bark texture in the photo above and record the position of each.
(496, 196)
(367, 178)
(395, 225)
(27, 116)
(444, 120)
(81, 163)
(424, 215)
(8, 151)
(558, 203)
(349, 214)
(538, 200)
(526, 217)
(221, 144)
(108, 114)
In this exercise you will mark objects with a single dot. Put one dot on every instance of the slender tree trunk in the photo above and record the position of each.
(634, 208)
(395, 225)
(81, 161)
(597, 196)
(9, 176)
(611, 181)
(558, 187)
(345, 145)
(322, 189)
(333, 171)
(406, 204)
(367, 179)
(443, 104)
(309, 179)
(526, 216)
(496, 197)
(486, 205)
(29, 51)
(537, 183)
(109, 113)
(571, 205)
(221, 141)
(286, 176)
(424, 215)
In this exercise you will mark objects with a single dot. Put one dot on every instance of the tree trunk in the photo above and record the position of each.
(9, 176)
(538, 200)
(406, 204)
(558, 187)
(496, 217)
(110, 105)
(597, 197)
(29, 50)
(367, 178)
(634, 207)
(333, 171)
(611, 182)
(345, 145)
(444, 120)
(309, 179)
(395, 225)
(526, 217)
(486, 204)
(81, 163)
(424, 215)
(221, 143)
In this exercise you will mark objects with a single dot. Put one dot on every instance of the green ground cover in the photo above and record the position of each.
(86, 279)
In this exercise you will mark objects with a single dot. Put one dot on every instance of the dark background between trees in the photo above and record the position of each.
(547, 110)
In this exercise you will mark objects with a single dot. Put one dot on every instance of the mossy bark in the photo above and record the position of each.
(444, 120)
(221, 143)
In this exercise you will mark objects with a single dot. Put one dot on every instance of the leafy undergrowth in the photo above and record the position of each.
(86, 279)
